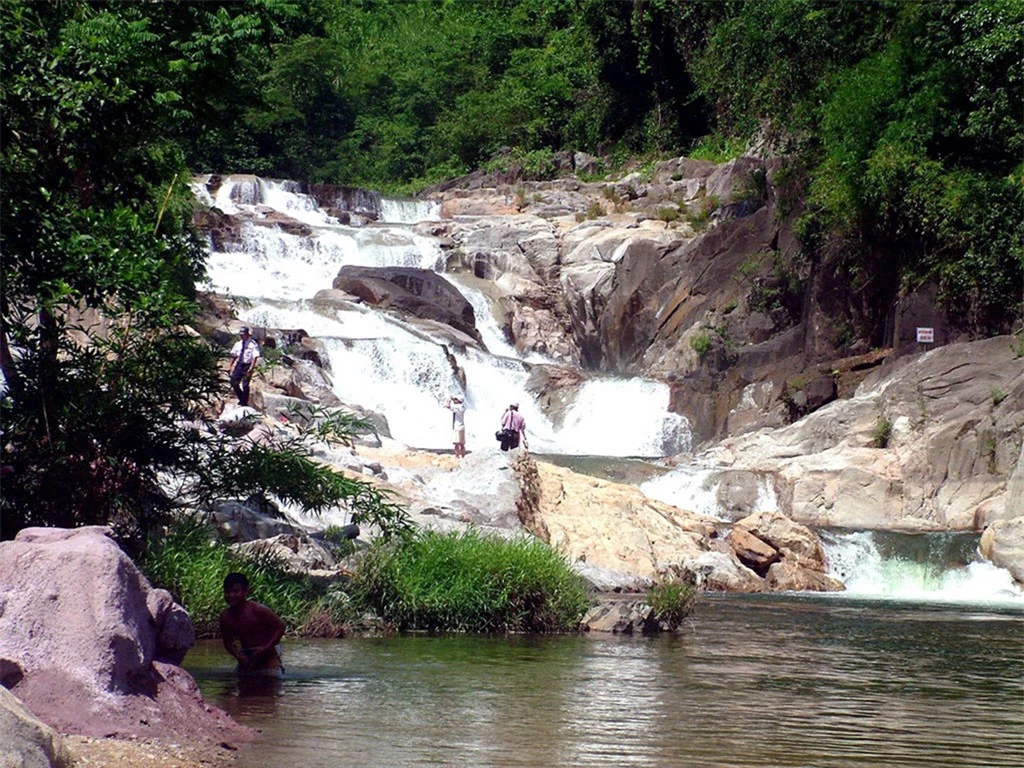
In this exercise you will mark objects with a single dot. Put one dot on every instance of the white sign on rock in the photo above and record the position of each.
(926, 335)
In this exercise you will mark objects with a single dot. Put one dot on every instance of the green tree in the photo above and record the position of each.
(106, 389)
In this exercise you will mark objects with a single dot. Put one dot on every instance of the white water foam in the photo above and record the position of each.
(854, 558)
(697, 488)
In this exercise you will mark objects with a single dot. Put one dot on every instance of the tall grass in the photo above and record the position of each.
(472, 583)
(191, 565)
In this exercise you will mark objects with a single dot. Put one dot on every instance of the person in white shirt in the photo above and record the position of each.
(244, 357)
(458, 409)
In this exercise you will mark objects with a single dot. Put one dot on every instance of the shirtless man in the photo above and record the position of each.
(250, 631)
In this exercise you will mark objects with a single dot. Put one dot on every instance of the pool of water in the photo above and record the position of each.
(750, 681)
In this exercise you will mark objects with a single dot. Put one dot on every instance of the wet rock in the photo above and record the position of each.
(419, 292)
(623, 616)
(789, 576)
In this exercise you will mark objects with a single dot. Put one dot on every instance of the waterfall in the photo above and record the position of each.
(932, 567)
(395, 211)
(388, 365)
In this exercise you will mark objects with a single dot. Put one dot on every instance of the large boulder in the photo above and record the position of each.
(421, 293)
(82, 635)
(1003, 544)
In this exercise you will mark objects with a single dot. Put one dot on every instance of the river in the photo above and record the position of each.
(750, 681)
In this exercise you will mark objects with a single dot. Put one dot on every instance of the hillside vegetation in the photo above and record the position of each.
(900, 121)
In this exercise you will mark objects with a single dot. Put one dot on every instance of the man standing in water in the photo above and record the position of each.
(244, 356)
(458, 409)
(251, 632)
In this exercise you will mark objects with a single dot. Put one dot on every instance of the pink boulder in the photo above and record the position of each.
(90, 647)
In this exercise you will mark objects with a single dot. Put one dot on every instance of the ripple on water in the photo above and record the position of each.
(751, 682)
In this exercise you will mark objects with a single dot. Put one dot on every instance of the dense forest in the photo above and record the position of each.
(901, 121)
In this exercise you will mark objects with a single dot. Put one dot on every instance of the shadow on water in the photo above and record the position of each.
(765, 680)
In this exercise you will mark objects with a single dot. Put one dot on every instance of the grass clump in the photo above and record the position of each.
(672, 600)
(470, 582)
(882, 433)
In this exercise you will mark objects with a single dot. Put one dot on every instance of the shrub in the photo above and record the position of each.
(471, 583)
(672, 600)
(882, 433)
(701, 344)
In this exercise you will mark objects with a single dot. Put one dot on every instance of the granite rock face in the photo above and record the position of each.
(85, 642)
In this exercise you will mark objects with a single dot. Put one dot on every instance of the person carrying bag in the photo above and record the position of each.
(513, 429)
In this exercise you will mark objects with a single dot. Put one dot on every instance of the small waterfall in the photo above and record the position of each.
(932, 567)
(624, 417)
(724, 494)
(395, 211)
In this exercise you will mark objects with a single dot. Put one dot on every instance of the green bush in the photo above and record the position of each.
(470, 582)
(672, 600)
(701, 344)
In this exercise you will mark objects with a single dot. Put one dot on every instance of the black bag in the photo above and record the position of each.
(509, 438)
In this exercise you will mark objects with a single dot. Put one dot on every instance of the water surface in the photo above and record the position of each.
(752, 681)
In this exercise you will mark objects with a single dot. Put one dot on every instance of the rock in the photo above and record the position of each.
(296, 553)
(484, 491)
(752, 552)
(237, 522)
(955, 416)
(789, 576)
(77, 625)
(26, 741)
(620, 617)
(174, 631)
(1003, 544)
(585, 164)
(608, 580)
(789, 538)
(419, 292)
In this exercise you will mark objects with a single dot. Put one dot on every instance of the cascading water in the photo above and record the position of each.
(934, 567)
(704, 489)
(384, 364)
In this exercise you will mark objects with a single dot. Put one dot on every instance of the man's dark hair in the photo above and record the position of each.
(235, 578)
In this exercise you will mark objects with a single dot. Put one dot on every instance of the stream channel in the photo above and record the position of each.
(750, 681)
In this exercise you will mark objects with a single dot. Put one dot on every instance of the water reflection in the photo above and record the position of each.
(752, 682)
